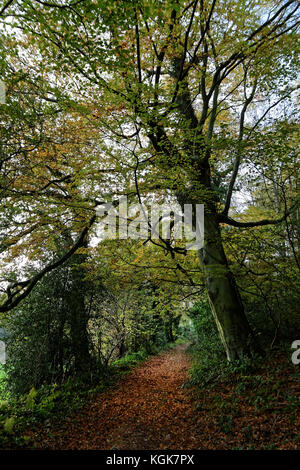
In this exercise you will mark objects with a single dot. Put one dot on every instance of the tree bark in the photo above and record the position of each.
(79, 316)
(224, 298)
(226, 305)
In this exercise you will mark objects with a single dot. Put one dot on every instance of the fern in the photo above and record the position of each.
(30, 400)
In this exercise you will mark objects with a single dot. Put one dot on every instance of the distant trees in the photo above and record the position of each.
(74, 325)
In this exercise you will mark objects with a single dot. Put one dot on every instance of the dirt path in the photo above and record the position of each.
(148, 410)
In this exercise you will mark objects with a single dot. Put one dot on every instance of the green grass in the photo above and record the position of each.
(130, 360)
(53, 402)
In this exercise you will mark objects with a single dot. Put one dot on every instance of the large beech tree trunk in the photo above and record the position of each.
(226, 305)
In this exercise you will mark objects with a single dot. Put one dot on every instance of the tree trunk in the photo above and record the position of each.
(79, 338)
(169, 323)
(79, 317)
(224, 298)
(122, 348)
(226, 305)
(227, 308)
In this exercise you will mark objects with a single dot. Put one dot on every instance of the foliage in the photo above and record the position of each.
(208, 355)
(39, 347)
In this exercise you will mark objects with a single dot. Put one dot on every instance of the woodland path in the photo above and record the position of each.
(148, 409)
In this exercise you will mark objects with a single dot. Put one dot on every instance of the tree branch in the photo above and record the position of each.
(238, 156)
(223, 218)
(5, 7)
(20, 290)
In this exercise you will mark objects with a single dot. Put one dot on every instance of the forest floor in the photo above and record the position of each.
(151, 409)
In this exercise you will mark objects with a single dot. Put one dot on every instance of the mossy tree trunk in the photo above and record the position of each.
(224, 298)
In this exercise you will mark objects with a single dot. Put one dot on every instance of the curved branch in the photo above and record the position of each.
(20, 290)
(223, 218)
(5, 6)
(56, 5)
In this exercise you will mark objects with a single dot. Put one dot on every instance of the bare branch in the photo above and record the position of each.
(223, 218)
(5, 7)
(238, 156)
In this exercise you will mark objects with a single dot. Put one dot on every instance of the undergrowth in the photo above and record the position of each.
(263, 391)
